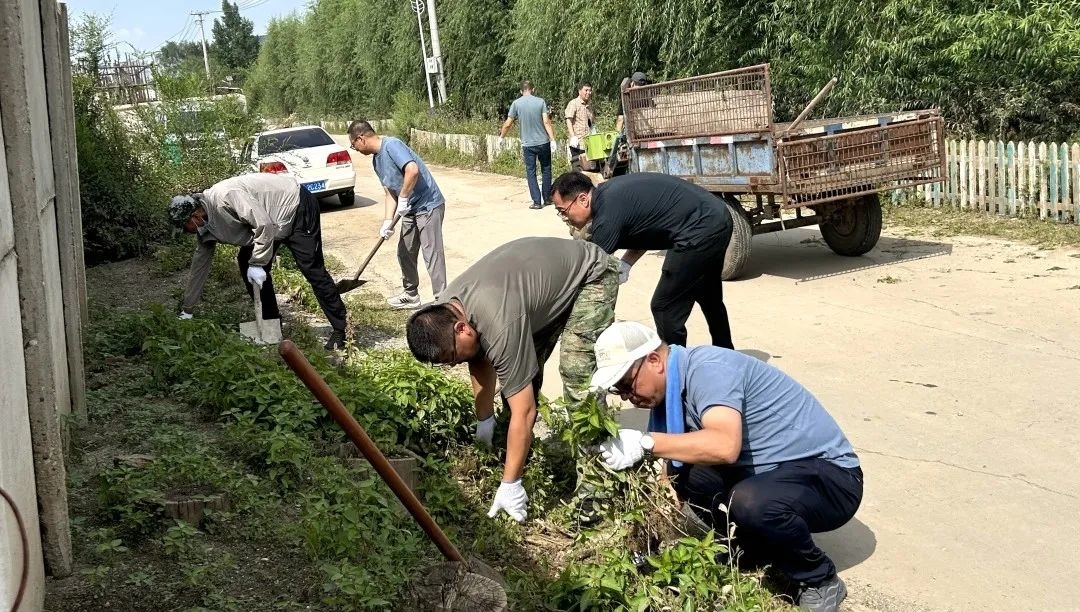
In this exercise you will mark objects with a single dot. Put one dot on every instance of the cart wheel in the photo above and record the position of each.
(738, 250)
(854, 228)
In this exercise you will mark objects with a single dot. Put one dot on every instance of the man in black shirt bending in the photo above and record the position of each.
(650, 211)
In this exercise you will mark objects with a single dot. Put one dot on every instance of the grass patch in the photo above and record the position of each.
(888, 280)
(207, 413)
(952, 222)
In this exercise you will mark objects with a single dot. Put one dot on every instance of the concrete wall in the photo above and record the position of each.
(42, 290)
(16, 454)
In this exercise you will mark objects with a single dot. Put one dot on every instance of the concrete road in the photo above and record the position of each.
(952, 365)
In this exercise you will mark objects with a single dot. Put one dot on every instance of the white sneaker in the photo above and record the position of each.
(404, 302)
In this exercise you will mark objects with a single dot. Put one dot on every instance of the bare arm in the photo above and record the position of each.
(412, 174)
(389, 205)
(483, 383)
(548, 127)
(519, 436)
(506, 127)
(718, 442)
(631, 257)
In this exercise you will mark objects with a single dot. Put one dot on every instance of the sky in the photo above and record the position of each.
(145, 25)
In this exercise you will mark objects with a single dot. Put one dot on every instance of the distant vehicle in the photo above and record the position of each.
(189, 126)
(307, 153)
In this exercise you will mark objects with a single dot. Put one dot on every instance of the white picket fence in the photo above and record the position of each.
(1011, 179)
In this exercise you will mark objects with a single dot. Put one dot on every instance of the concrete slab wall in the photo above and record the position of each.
(66, 180)
(16, 452)
(31, 182)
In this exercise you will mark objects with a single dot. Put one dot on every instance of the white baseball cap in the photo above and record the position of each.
(618, 347)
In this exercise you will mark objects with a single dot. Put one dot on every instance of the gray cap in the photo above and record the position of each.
(180, 209)
(639, 78)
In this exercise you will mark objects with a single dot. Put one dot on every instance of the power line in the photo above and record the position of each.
(184, 32)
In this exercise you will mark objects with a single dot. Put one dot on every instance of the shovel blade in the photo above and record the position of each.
(344, 286)
(268, 332)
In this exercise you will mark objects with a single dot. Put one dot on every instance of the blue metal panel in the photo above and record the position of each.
(754, 158)
(717, 160)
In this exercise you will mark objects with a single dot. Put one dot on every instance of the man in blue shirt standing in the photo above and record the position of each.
(412, 193)
(737, 434)
(537, 140)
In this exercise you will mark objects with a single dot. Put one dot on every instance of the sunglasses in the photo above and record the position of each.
(624, 387)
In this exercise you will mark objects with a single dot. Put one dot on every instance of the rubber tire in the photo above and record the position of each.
(859, 230)
(347, 198)
(742, 235)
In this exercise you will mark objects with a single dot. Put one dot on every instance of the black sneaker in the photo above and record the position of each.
(824, 597)
(536, 206)
(336, 340)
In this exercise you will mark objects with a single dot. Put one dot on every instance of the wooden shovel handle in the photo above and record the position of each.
(326, 396)
(374, 250)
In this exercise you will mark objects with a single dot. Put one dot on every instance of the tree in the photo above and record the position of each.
(235, 46)
(173, 56)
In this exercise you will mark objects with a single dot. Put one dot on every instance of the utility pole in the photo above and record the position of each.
(418, 8)
(200, 15)
(436, 50)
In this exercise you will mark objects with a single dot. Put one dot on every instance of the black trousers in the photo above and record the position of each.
(775, 512)
(305, 243)
(688, 277)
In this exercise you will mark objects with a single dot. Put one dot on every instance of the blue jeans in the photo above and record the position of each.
(531, 154)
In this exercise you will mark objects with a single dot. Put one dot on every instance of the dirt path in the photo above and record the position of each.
(951, 364)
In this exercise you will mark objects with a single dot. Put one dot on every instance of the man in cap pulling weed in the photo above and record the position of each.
(258, 213)
(744, 443)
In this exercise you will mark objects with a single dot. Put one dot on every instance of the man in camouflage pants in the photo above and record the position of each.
(503, 316)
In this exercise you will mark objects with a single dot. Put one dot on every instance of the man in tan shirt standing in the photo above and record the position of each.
(579, 120)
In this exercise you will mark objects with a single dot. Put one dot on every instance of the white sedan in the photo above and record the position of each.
(308, 153)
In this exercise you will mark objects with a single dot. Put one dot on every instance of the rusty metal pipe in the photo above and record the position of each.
(326, 396)
(809, 107)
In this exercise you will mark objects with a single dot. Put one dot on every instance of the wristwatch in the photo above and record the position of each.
(647, 443)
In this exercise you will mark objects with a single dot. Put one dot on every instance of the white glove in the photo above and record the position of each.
(573, 142)
(387, 229)
(624, 271)
(554, 147)
(184, 316)
(512, 498)
(485, 431)
(402, 205)
(623, 451)
(256, 275)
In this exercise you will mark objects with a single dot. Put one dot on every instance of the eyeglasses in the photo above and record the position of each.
(562, 211)
(627, 388)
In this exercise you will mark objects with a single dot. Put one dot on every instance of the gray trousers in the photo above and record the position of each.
(422, 233)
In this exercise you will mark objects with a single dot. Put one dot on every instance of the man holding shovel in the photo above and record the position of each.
(503, 316)
(258, 213)
(412, 194)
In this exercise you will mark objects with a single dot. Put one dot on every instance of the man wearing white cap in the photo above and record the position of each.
(737, 433)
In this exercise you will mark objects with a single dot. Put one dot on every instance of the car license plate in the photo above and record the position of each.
(315, 186)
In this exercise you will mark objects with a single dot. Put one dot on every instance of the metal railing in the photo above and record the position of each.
(822, 169)
(730, 102)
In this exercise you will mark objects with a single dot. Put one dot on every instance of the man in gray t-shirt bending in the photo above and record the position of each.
(537, 141)
(503, 316)
(742, 435)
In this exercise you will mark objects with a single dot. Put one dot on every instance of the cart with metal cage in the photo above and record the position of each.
(717, 131)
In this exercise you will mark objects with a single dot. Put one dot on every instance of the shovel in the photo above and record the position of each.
(348, 284)
(261, 331)
(460, 584)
